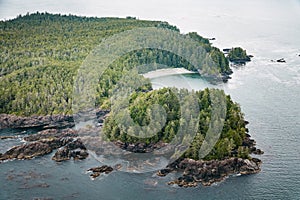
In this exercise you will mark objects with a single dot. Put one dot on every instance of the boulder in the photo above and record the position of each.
(257, 151)
(62, 154)
(97, 171)
(74, 149)
(281, 60)
(226, 50)
(163, 172)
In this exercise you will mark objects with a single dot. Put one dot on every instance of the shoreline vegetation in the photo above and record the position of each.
(41, 54)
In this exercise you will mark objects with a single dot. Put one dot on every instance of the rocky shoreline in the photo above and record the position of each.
(209, 172)
(42, 122)
(223, 77)
(68, 145)
(212, 171)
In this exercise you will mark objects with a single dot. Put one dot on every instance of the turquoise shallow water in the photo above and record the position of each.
(268, 93)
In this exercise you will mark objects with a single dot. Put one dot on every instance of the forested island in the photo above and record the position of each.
(237, 55)
(40, 56)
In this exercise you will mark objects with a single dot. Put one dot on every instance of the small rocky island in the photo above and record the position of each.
(237, 55)
(281, 60)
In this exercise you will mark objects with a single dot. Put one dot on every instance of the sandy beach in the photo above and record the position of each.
(166, 72)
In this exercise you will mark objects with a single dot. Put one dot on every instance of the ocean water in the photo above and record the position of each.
(269, 94)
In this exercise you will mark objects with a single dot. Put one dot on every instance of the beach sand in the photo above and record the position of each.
(166, 72)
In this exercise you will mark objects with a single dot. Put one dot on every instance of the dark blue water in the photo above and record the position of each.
(269, 94)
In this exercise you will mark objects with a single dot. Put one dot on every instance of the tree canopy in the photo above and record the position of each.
(237, 54)
(40, 54)
(229, 144)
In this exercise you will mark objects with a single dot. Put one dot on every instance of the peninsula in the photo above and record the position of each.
(40, 56)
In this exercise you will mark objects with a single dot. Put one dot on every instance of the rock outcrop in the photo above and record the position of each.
(70, 146)
(51, 133)
(55, 133)
(43, 122)
(250, 143)
(74, 149)
(208, 172)
(44, 142)
(281, 60)
(34, 149)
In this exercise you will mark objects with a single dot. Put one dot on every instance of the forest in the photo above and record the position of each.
(39, 57)
(228, 145)
(40, 54)
(237, 54)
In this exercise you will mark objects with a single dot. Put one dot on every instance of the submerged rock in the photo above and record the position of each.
(7, 137)
(151, 182)
(163, 172)
(117, 167)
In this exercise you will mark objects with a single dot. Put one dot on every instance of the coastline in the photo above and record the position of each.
(55, 134)
(223, 77)
(209, 172)
(36, 121)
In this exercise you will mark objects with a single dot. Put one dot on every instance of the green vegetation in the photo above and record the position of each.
(216, 55)
(41, 53)
(237, 54)
(229, 144)
(139, 103)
